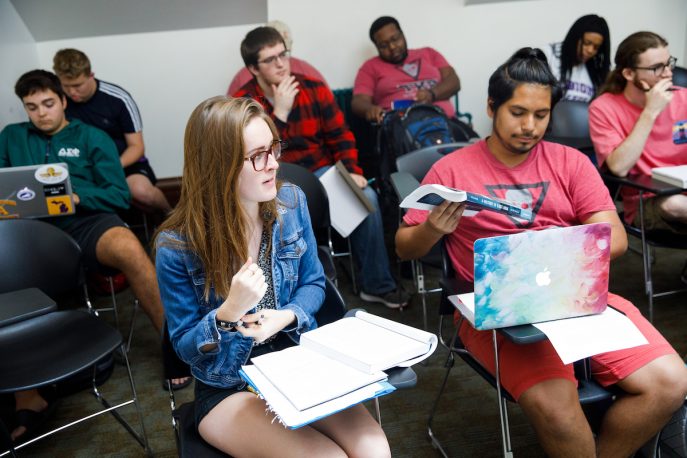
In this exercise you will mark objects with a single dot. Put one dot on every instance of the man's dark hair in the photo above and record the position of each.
(526, 66)
(38, 80)
(381, 22)
(257, 39)
(627, 56)
(599, 66)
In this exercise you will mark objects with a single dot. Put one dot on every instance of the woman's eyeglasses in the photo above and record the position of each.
(259, 159)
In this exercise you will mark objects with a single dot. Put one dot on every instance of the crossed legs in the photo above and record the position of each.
(240, 426)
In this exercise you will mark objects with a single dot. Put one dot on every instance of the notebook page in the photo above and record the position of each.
(307, 378)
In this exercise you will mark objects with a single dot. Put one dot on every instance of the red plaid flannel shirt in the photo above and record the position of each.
(315, 130)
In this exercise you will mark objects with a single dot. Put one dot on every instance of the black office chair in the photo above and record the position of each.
(588, 390)
(412, 168)
(318, 207)
(570, 126)
(649, 240)
(47, 348)
(680, 76)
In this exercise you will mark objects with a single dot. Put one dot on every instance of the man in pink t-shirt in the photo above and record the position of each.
(421, 75)
(561, 188)
(638, 124)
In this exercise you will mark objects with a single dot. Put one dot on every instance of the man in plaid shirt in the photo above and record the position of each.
(308, 118)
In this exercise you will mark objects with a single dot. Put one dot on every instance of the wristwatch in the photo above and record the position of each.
(228, 325)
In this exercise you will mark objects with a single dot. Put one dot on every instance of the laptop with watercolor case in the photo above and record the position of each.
(536, 276)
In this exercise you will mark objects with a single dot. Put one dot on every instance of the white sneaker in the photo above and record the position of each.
(394, 299)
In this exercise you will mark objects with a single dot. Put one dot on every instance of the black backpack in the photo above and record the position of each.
(419, 126)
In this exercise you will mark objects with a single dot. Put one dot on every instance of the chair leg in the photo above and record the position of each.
(352, 263)
(6, 434)
(114, 301)
(378, 411)
(450, 361)
(141, 437)
(131, 325)
(503, 407)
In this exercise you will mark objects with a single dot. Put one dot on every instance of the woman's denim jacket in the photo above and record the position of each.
(298, 284)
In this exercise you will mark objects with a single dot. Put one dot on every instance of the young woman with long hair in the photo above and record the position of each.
(239, 276)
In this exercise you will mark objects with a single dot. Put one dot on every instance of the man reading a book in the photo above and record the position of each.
(313, 126)
(562, 188)
(635, 126)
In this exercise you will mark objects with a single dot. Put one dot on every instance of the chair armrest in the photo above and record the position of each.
(642, 183)
(402, 377)
(23, 304)
(445, 148)
(404, 183)
(523, 334)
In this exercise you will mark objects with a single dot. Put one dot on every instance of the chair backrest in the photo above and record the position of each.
(318, 203)
(418, 163)
(680, 76)
(570, 119)
(570, 126)
(36, 254)
(333, 307)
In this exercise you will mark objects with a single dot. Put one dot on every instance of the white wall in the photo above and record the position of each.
(169, 73)
(17, 55)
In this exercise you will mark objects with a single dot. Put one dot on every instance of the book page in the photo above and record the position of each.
(371, 343)
(307, 378)
(289, 416)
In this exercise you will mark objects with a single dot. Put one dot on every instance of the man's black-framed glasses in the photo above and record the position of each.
(273, 59)
(260, 159)
(658, 69)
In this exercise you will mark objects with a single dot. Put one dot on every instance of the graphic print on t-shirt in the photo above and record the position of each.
(411, 69)
(680, 132)
(528, 196)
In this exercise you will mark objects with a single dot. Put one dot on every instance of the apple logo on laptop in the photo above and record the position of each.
(543, 278)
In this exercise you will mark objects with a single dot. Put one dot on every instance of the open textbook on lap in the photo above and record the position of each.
(428, 196)
(340, 363)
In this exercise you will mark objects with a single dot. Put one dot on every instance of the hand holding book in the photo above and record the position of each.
(428, 196)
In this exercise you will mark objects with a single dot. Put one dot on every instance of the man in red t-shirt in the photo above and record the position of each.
(421, 75)
(636, 123)
(561, 188)
(307, 117)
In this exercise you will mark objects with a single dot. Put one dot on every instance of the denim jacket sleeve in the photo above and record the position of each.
(298, 273)
(191, 318)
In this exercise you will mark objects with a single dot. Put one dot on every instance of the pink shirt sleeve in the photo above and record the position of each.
(605, 131)
(365, 80)
(436, 58)
(241, 78)
(588, 193)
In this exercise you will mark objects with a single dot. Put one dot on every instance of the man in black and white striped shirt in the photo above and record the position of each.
(112, 109)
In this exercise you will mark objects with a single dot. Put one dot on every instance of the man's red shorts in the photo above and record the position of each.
(523, 366)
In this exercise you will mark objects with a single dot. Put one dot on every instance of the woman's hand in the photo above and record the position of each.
(247, 288)
(265, 323)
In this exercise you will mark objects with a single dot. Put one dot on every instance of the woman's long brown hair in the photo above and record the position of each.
(209, 215)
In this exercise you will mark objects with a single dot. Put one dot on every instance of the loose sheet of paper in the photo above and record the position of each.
(578, 338)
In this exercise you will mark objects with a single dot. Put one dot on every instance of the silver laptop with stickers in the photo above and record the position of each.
(35, 191)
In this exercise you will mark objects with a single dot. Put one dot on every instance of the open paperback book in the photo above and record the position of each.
(336, 366)
(428, 196)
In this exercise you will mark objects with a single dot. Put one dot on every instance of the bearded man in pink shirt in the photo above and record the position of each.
(398, 73)
(636, 125)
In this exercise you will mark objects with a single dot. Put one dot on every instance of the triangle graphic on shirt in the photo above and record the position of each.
(411, 69)
(528, 196)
